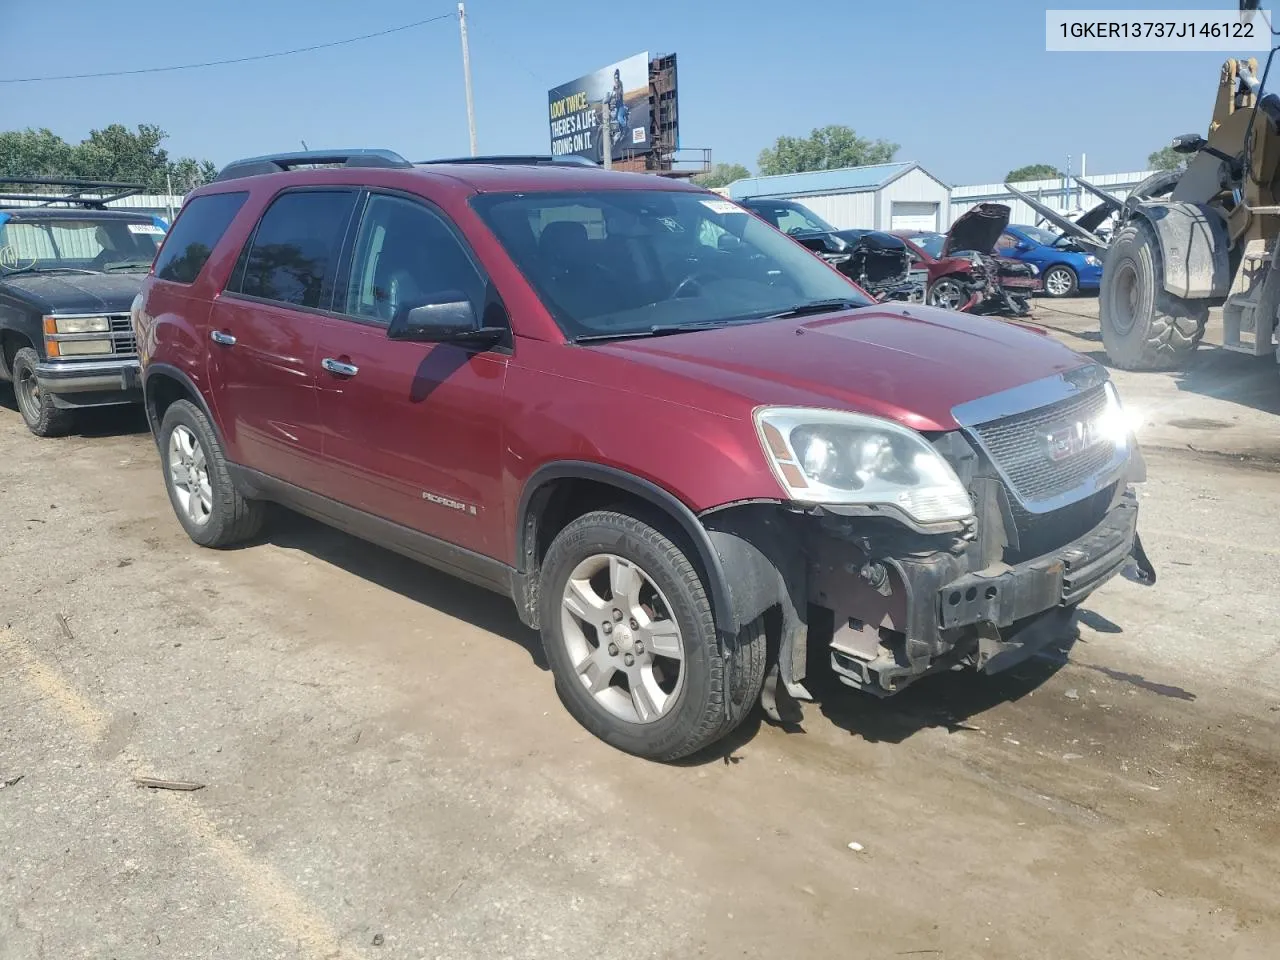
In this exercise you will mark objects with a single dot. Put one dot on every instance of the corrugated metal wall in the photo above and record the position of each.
(844, 210)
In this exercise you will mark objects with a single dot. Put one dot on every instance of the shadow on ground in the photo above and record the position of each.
(415, 581)
(94, 422)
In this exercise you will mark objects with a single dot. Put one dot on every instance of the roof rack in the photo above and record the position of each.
(116, 191)
(522, 159)
(280, 162)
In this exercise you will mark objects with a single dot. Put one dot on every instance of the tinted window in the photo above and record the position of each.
(197, 231)
(406, 256)
(294, 253)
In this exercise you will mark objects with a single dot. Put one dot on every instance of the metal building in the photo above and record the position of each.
(883, 196)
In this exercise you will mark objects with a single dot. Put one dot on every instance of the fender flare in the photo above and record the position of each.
(722, 607)
(173, 373)
(1194, 247)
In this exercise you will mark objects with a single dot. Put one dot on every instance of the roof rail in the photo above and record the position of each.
(521, 159)
(115, 191)
(280, 162)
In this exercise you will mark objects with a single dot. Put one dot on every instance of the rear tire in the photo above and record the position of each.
(1144, 327)
(36, 406)
(208, 505)
(589, 630)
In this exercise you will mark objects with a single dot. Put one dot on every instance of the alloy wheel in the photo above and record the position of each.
(947, 295)
(189, 473)
(621, 638)
(1058, 282)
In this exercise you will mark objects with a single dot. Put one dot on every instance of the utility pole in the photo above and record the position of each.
(466, 75)
(168, 200)
(606, 131)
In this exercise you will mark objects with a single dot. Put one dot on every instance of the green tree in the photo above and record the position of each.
(1032, 171)
(721, 175)
(1165, 159)
(827, 148)
(112, 153)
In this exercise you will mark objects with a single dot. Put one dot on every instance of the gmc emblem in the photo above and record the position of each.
(1070, 440)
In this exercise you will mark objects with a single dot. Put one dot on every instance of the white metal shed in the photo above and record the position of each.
(883, 196)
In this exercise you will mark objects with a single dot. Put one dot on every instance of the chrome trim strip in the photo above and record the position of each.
(1030, 396)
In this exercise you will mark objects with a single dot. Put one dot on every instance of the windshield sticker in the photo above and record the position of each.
(721, 206)
(146, 229)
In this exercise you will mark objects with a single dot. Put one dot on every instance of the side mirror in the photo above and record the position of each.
(450, 318)
(1023, 246)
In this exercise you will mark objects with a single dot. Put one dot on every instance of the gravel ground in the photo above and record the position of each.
(388, 773)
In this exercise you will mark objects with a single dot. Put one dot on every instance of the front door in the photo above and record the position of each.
(412, 431)
(263, 329)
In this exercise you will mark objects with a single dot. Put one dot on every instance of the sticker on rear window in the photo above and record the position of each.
(721, 206)
(146, 229)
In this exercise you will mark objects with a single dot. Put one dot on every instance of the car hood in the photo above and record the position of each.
(911, 364)
(977, 229)
(77, 292)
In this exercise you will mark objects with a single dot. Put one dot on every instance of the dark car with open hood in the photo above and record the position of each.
(878, 262)
(688, 450)
(69, 270)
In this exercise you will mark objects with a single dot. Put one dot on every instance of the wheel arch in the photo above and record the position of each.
(162, 385)
(11, 341)
(1194, 247)
(557, 492)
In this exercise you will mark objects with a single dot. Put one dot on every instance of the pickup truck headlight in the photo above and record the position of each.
(77, 325)
(839, 458)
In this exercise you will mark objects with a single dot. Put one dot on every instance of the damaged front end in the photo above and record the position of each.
(1048, 468)
(990, 284)
(880, 263)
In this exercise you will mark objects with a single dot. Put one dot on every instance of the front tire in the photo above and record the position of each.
(1060, 282)
(208, 505)
(36, 406)
(947, 294)
(629, 633)
(1144, 327)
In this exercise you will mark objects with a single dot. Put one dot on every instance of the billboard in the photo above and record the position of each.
(576, 111)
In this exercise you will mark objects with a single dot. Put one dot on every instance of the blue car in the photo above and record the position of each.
(1065, 268)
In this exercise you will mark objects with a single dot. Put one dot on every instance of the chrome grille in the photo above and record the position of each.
(1018, 445)
(122, 342)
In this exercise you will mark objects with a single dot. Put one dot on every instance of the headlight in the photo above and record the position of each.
(1035, 271)
(833, 457)
(79, 348)
(1092, 261)
(79, 324)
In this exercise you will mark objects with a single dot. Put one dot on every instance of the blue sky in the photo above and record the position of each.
(967, 89)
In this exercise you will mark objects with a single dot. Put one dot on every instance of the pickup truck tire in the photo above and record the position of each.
(38, 412)
(1144, 327)
(612, 581)
(209, 507)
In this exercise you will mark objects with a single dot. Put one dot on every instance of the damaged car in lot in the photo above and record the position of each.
(964, 274)
(878, 262)
(687, 456)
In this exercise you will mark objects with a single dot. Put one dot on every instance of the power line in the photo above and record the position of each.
(220, 63)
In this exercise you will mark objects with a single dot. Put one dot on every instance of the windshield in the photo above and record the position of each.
(622, 262)
(930, 243)
(49, 243)
(790, 217)
(1040, 235)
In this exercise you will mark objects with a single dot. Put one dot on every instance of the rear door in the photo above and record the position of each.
(263, 329)
(413, 431)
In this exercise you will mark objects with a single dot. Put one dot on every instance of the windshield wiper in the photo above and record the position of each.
(814, 306)
(127, 265)
(657, 330)
(10, 271)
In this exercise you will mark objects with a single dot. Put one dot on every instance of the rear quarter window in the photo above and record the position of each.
(196, 232)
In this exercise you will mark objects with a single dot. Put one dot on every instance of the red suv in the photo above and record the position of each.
(686, 448)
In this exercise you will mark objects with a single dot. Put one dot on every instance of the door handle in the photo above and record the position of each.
(340, 368)
(226, 339)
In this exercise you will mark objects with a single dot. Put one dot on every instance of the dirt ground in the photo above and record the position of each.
(388, 772)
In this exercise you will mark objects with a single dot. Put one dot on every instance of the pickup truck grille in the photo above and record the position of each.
(1021, 446)
(122, 342)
